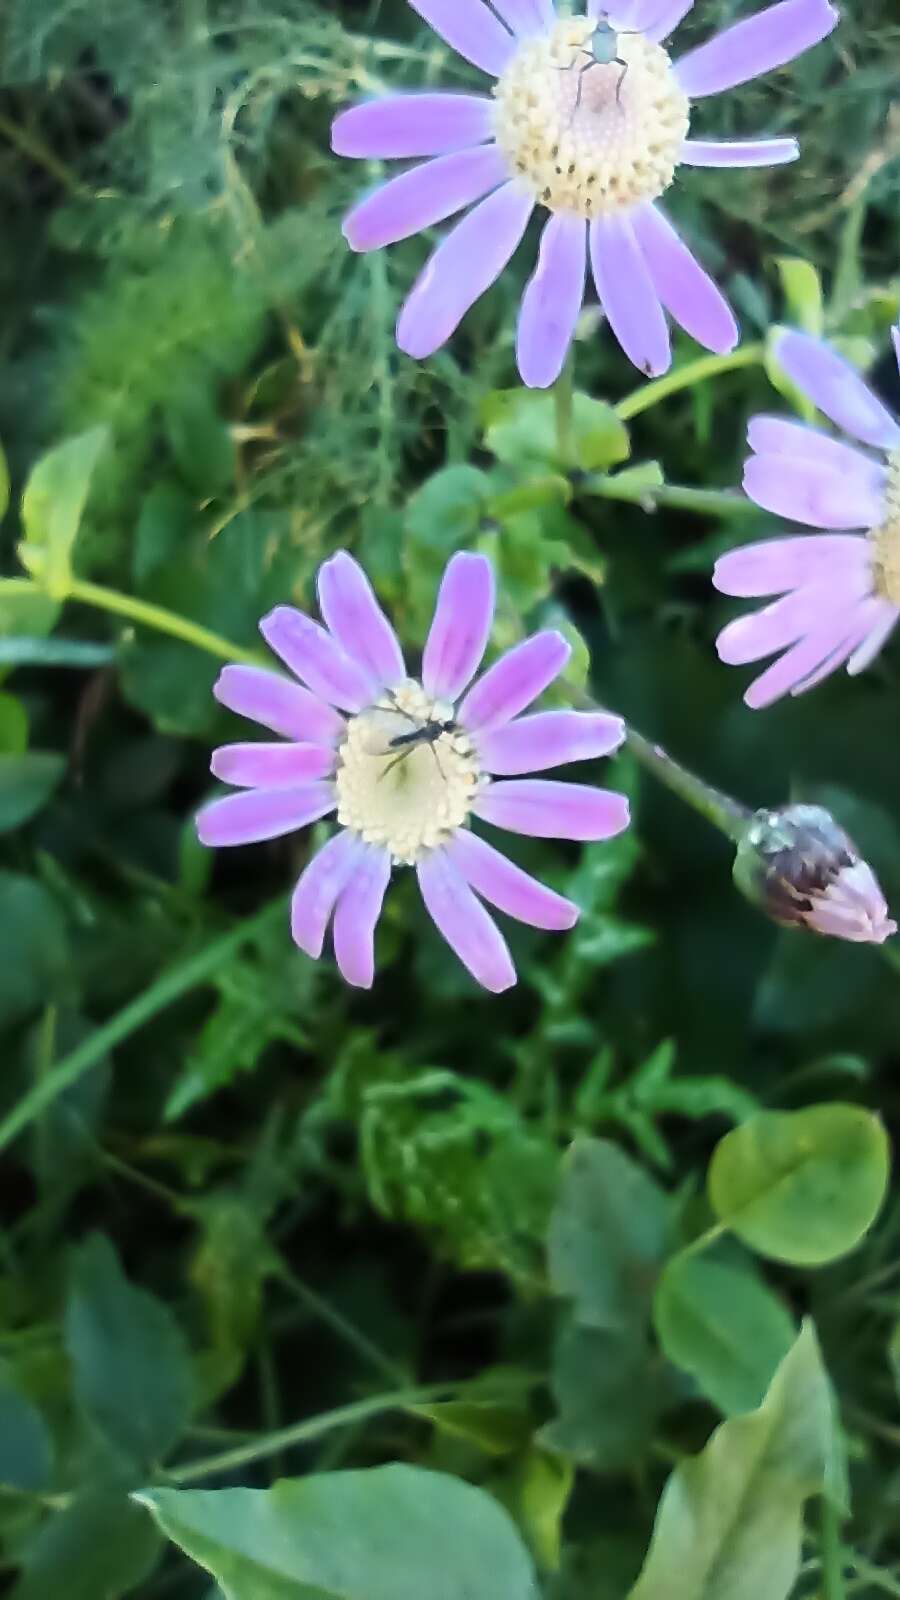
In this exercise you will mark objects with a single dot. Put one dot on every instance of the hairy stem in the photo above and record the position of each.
(728, 815)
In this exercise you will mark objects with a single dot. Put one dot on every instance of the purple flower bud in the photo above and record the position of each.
(803, 870)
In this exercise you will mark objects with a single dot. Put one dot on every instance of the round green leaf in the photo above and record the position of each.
(724, 1327)
(801, 1186)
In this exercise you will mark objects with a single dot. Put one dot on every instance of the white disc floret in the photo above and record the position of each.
(410, 799)
(591, 138)
(885, 539)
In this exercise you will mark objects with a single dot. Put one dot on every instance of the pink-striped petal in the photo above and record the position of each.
(757, 45)
(277, 703)
(795, 615)
(462, 268)
(526, 17)
(426, 195)
(627, 295)
(882, 627)
(356, 917)
(797, 665)
(468, 929)
(552, 301)
(686, 291)
(773, 566)
(739, 152)
(776, 436)
(836, 388)
(514, 681)
(271, 766)
(260, 814)
(349, 606)
(318, 659)
(507, 887)
(470, 29)
(403, 126)
(461, 627)
(807, 491)
(318, 889)
(547, 810)
(549, 739)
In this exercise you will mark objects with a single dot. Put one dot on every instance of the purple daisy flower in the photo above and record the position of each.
(406, 763)
(595, 140)
(840, 591)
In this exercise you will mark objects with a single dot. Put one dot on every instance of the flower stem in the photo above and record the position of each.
(564, 397)
(728, 815)
(681, 497)
(650, 394)
(831, 1553)
(152, 616)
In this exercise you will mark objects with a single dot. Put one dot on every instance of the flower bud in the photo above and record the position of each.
(801, 868)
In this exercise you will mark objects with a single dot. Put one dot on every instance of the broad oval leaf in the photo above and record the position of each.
(392, 1533)
(729, 1523)
(724, 1327)
(26, 1449)
(97, 1546)
(26, 783)
(802, 1186)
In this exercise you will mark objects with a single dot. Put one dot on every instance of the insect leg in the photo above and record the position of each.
(622, 76)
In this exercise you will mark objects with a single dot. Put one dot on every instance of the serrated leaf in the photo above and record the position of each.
(392, 1533)
(130, 1363)
(802, 1186)
(52, 508)
(729, 1523)
(724, 1327)
(521, 430)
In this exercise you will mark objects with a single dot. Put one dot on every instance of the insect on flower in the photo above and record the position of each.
(597, 150)
(407, 764)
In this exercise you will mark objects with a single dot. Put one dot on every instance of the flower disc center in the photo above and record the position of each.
(885, 538)
(591, 138)
(411, 796)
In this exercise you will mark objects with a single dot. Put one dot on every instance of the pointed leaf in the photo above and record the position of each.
(724, 1327)
(608, 1235)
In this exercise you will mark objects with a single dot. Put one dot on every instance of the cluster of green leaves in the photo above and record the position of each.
(614, 1242)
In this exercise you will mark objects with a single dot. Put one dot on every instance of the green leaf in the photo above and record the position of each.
(4, 484)
(26, 783)
(98, 1548)
(36, 965)
(801, 1186)
(724, 1327)
(52, 508)
(130, 1363)
(26, 1449)
(13, 725)
(392, 1533)
(608, 1235)
(730, 1520)
(802, 288)
(521, 430)
(25, 609)
(201, 442)
(609, 1389)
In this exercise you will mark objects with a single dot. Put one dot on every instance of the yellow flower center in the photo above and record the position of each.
(885, 539)
(410, 797)
(591, 138)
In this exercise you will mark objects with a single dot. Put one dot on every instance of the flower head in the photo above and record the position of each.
(589, 118)
(406, 764)
(800, 867)
(840, 590)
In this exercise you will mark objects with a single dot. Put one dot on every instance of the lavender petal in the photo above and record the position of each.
(739, 152)
(687, 292)
(514, 681)
(547, 810)
(836, 388)
(807, 491)
(403, 126)
(356, 620)
(507, 887)
(552, 301)
(462, 268)
(461, 626)
(470, 29)
(318, 889)
(427, 194)
(318, 659)
(260, 814)
(773, 566)
(526, 17)
(468, 929)
(760, 44)
(549, 739)
(271, 766)
(277, 703)
(777, 436)
(627, 295)
(358, 909)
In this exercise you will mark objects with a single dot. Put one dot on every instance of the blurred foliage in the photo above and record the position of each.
(259, 1225)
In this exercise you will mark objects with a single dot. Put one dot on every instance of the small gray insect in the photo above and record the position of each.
(602, 50)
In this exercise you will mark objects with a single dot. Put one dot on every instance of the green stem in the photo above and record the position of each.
(650, 394)
(724, 813)
(681, 497)
(564, 402)
(168, 988)
(831, 1552)
(152, 616)
(305, 1432)
(36, 151)
(344, 1329)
